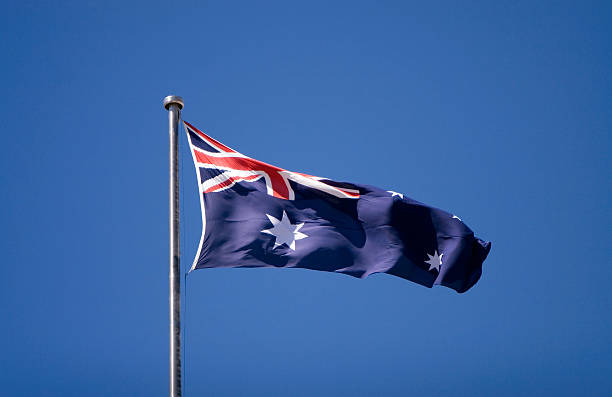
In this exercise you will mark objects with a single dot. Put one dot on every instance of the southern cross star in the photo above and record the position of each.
(393, 194)
(434, 261)
(284, 231)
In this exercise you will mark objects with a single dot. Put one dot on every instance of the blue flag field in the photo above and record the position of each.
(258, 215)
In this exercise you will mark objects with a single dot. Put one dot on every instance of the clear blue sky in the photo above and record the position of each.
(500, 113)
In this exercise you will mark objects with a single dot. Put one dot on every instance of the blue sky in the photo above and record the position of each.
(498, 112)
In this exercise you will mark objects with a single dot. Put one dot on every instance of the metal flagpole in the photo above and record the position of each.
(174, 104)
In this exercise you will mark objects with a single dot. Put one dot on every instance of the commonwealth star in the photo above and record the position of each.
(285, 232)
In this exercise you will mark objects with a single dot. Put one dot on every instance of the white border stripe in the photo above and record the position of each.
(207, 184)
(315, 184)
(197, 169)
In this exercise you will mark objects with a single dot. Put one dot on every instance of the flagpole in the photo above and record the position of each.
(174, 104)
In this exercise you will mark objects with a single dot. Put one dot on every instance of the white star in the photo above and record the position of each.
(393, 194)
(434, 261)
(284, 231)
(456, 217)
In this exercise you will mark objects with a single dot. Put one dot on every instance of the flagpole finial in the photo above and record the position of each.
(173, 99)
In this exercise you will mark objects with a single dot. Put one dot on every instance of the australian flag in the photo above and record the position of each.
(258, 215)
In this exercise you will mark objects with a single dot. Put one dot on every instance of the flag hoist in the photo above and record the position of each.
(174, 104)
